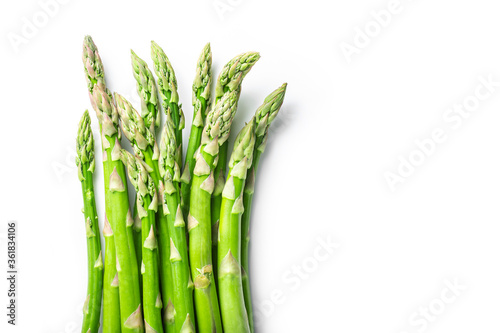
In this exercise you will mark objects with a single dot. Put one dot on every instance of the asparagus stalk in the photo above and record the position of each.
(215, 133)
(232, 302)
(201, 105)
(264, 116)
(117, 206)
(170, 199)
(147, 205)
(111, 298)
(137, 228)
(144, 145)
(168, 91)
(229, 80)
(86, 166)
(146, 88)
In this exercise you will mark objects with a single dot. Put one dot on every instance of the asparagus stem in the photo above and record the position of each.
(147, 205)
(143, 142)
(215, 133)
(117, 206)
(111, 297)
(168, 91)
(170, 199)
(201, 104)
(86, 166)
(137, 228)
(229, 79)
(264, 115)
(232, 302)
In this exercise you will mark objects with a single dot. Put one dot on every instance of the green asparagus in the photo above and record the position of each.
(201, 105)
(147, 205)
(215, 133)
(264, 115)
(86, 166)
(117, 206)
(111, 297)
(145, 147)
(232, 302)
(168, 92)
(230, 79)
(170, 200)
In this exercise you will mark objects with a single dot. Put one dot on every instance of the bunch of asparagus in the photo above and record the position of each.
(178, 261)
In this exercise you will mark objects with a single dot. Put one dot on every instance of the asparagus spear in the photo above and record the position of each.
(146, 88)
(147, 205)
(144, 144)
(201, 105)
(232, 302)
(86, 166)
(215, 133)
(264, 115)
(150, 119)
(170, 199)
(229, 80)
(117, 206)
(168, 92)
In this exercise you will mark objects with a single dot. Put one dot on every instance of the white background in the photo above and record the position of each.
(342, 127)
